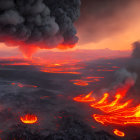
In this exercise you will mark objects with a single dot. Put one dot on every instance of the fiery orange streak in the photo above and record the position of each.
(53, 71)
(119, 115)
(29, 119)
(102, 101)
(80, 82)
(119, 133)
(86, 98)
(84, 81)
(113, 106)
(116, 112)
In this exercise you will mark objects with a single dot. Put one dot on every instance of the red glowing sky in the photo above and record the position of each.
(113, 25)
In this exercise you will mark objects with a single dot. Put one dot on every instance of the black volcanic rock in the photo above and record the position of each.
(70, 129)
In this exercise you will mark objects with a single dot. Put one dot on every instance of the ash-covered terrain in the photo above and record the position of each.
(47, 91)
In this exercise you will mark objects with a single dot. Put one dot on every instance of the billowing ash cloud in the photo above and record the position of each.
(38, 23)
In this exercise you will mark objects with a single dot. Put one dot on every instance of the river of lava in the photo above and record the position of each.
(116, 111)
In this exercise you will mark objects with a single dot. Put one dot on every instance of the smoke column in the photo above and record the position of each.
(33, 24)
(136, 50)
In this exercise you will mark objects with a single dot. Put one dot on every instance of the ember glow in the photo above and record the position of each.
(61, 68)
(106, 107)
(116, 112)
(86, 98)
(23, 85)
(66, 46)
(80, 82)
(119, 133)
(85, 81)
(64, 67)
(56, 70)
(29, 119)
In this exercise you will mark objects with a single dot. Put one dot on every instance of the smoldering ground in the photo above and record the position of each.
(51, 100)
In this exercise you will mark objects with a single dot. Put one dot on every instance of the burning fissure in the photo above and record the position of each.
(115, 110)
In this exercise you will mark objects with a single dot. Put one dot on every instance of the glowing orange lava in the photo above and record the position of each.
(84, 81)
(106, 107)
(123, 116)
(47, 66)
(65, 68)
(29, 119)
(86, 98)
(80, 82)
(65, 46)
(59, 71)
(117, 111)
(119, 133)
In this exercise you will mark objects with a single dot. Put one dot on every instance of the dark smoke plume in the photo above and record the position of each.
(134, 65)
(136, 50)
(130, 74)
(32, 24)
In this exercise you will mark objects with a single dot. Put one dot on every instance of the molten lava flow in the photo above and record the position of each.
(29, 119)
(80, 82)
(86, 98)
(59, 68)
(109, 107)
(116, 111)
(63, 67)
(84, 81)
(119, 133)
(125, 116)
(48, 66)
